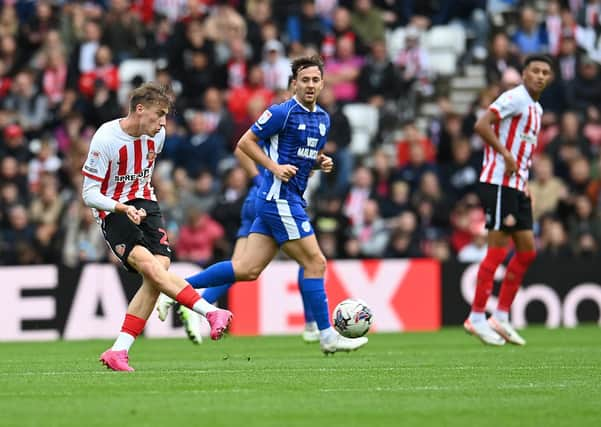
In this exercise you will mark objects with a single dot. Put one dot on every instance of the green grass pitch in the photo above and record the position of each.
(415, 379)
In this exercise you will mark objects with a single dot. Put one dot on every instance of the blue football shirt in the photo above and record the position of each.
(293, 135)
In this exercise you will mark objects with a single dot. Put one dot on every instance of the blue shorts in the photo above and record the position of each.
(247, 213)
(281, 221)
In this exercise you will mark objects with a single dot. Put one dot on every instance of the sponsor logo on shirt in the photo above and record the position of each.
(89, 169)
(307, 153)
(302, 126)
(132, 177)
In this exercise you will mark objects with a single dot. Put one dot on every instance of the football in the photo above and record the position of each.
(352, 318)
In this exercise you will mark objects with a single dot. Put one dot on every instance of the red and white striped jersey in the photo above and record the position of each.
(518, 128)
(123, 164)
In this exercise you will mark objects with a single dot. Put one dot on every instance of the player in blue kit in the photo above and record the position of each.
(191, 319)
(294, 132)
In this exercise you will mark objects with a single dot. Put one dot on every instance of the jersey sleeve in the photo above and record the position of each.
(96, 164)
(270, 122)
(506, 105)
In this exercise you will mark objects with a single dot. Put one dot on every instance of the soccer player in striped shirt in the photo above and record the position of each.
(510, 129)
(117, 186)
(295, 132)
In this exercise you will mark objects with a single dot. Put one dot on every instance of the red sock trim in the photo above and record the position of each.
(188, 297)
(133, 325)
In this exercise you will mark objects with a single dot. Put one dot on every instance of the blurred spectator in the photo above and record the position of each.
(217, 117)
(567, 59)
(123, 31)
(414, 65)
(397, 202)
(413, 136)
(367, 21)
(475, 251)
(9, 21)
(383, 171)
(236, 68)
(45, 162)
(227, 210)
(203, 149)
(199, 76)
(104, 72)
(198, 238)
(83, 56)
(14, 144)
(500, 58)
(10, 54)
(585, 89)
(239, 98)
(331, 224)
(358, 195)
(584, 227)
(307, 28)
(36, 28)
(28, 105)
(546, 189)
(553, 240)
(372, 233)
(378, 78)
(337, 146)
(462, 174)
(258, 13)
(275, 66)
(530, 37)
(569, 144)
(18, 238)
(342, 71)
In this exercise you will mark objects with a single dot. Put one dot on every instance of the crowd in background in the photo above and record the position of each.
(412, 195)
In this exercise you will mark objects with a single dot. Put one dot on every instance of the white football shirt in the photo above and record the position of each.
(123, 164)
(518, 128)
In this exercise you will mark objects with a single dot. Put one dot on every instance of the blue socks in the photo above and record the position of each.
(315, 294)
(306, 305)
(218, 274)
(213, 294)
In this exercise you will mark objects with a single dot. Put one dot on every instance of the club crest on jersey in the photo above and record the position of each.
(322, 129)
(151, 156)
(264, 117)
(120, 249)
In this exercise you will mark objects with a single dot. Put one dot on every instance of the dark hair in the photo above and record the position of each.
(151, 93)
(538, 57)
(303, 62)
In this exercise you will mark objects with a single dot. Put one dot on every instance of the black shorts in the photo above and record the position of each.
(506, 208)
(123, 235)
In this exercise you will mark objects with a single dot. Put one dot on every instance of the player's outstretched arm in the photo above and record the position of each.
(483, 127)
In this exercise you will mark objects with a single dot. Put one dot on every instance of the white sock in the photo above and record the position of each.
(311, 326)
(477, 317)
(123, 342)
(326, 334)
(501, 315)
(203, 307)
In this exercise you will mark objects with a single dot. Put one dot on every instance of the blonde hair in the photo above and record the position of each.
(151, 93)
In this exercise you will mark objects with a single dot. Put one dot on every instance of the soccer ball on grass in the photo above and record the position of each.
(352, 318)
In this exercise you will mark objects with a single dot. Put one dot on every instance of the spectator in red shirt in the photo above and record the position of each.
(105, 71)
(198, 238)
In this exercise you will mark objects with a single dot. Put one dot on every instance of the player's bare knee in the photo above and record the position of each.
(317, 265)
(151, 269)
